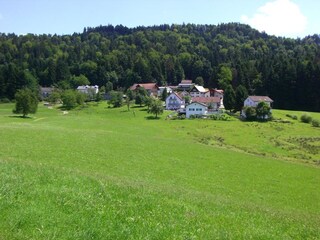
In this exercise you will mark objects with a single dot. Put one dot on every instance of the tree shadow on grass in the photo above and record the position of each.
(137, 106)
(152, 118)
(23, 117)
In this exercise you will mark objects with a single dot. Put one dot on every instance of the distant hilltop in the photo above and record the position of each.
(287, 70)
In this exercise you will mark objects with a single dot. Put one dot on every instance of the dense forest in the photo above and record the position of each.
(288, 70)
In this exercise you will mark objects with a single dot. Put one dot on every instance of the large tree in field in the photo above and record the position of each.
(229, 98)
(26, 102)
(156, 107)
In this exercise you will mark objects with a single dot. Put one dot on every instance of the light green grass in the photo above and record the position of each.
(101, 173)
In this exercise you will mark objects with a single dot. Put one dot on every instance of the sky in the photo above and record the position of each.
(286, 18)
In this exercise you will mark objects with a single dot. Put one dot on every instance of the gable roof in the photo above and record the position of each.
(147, 86)
(206, 100)
(178, 95)
(260, 98)
(198, 103)
(200, 89)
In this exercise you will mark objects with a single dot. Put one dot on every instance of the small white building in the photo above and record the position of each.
(196, 108)
(88, 89)
(174, 101)
(199, 91)
(253, 101)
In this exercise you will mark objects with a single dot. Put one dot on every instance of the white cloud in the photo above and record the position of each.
(279, 17)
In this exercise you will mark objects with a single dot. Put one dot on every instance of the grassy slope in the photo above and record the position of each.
(103, 173)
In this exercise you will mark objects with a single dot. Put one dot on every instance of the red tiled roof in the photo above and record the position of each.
(206, 99)
(260, 98)
(147, 86)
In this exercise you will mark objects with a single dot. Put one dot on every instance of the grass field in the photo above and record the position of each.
(103, 173)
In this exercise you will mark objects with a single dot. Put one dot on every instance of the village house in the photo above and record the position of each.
(151, 88)
(203, 106)
(196, 108)
(175, 101)
(185, 85)
(199, 91)
(253, 101)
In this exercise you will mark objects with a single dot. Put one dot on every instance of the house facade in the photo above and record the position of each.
(196, 108)
(199, 91)
(253, 101)
(174, 101)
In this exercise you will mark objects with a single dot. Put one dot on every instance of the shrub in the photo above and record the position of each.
(315, 123)
(250, 113)
(306, 118)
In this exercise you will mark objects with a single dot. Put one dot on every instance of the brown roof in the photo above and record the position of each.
(178, 95)
(260, 98)
(206, 99)
(147, 86)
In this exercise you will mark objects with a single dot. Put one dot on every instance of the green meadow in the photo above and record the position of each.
(105, 173)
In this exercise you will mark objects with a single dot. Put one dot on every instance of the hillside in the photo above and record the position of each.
(288, 70)
(104, 173)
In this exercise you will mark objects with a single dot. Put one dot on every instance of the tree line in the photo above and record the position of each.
(287, 70)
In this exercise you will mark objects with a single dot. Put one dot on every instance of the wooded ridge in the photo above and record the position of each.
(287, 70)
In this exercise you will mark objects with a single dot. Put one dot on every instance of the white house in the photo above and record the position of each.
(196, 108)
(88, 89)
(174, 101)
(213, 103)
(199, 91)
(253, 101)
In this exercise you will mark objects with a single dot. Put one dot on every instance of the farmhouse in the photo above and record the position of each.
(199, 91)
(203, 106)
(196, 108)
(175, 101)
(253, 101)
(152, 88)
(213, 103)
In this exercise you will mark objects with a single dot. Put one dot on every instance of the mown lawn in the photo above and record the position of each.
(103, 173)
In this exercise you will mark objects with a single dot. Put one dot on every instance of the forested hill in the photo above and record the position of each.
(288, 70)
